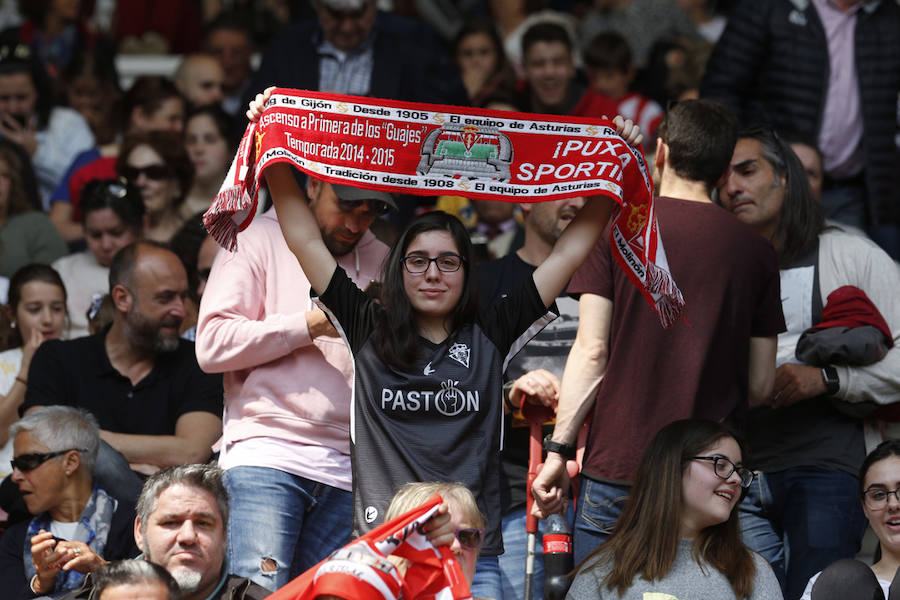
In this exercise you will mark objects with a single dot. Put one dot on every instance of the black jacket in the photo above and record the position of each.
(409, 62)
(771, 65)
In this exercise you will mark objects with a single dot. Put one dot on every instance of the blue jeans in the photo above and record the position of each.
(282, 524)
(599, 505)
(512, 561)
(801, 520)
(486, 583)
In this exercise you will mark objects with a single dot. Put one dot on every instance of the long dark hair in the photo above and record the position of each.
(645, 539)
(12, 336)
(18, 199)
(802, 216)
(397, 329)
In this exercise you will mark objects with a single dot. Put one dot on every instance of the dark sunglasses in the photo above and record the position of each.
(471, 537)
(28, 462)
(155, 172)
(378, 207)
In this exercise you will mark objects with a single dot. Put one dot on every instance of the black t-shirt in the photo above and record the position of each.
(78, 373)
(438, 421)
(548, 350)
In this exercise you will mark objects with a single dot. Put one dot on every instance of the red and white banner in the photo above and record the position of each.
(360, 570)
(428, 150)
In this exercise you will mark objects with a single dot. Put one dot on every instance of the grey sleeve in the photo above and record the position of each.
(585, 587)
(765, 585)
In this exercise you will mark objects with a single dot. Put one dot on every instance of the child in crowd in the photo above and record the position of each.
(609, 67)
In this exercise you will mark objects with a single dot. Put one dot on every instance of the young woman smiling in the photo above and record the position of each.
(678, 535)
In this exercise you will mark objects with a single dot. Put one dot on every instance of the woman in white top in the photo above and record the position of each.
(113, 217)
(36, 312)
(879, 488)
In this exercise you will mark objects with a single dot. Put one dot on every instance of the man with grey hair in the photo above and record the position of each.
(181, 522)
(76, 526)
(155, 406)
(199, 78)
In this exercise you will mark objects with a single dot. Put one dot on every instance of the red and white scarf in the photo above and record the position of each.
(429, 150)
(360, 570)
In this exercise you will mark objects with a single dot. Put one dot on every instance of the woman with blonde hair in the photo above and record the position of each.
(467, 521)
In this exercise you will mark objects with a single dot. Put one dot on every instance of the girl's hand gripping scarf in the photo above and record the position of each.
(361, 571)
(428, 150)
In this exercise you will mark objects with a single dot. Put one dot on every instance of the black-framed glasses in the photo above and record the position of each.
(416, 264)
(28, 462)
(877, 498)
(378, 207)
(155, 172)
(723, 468)
(470, 537)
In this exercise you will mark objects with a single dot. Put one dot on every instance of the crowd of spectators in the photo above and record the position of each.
(783, 114)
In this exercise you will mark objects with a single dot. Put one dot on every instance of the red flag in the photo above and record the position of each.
(361, 571)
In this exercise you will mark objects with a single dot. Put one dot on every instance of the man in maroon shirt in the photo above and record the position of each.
(637, 376)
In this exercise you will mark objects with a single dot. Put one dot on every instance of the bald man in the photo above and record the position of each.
(155, 406)
(200, 78)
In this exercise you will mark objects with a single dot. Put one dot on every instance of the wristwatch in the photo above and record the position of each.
(832, 383)
(567, 451)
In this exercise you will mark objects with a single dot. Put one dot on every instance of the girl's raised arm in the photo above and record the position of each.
(298, 225)
(572, 247)
(577, 240)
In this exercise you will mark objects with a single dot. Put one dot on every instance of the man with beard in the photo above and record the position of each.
(141, 381)
(288, 377)
(181, 526)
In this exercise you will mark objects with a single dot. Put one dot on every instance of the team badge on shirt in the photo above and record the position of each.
(459, 353)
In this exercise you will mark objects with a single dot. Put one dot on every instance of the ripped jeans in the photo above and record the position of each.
(281, 524)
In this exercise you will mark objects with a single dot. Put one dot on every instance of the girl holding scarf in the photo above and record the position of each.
(428, 359)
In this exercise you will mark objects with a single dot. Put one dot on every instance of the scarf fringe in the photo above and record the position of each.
(220, 220)
(670, 303)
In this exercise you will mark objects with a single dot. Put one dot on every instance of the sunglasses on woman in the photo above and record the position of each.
(155, 172)
(29, 462)
(470, 537)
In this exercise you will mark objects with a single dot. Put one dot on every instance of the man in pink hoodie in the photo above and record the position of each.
(288, 381)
